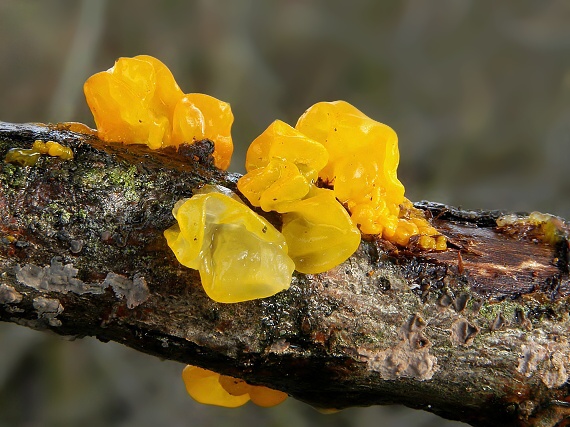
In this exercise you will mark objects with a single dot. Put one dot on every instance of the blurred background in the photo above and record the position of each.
(478, 92)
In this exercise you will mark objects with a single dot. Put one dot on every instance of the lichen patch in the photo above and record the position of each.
(532, 355)
(9, 295)
(55, 277)
(135, 291)
(555, 374)
(48, 309)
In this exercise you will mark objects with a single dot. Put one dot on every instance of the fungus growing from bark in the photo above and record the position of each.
(283, 165)
(362, 169)
(29, 157)
(137, 101)
(332, 177)
(211, 388)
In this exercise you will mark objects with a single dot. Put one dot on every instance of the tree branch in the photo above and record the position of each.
(478, 333)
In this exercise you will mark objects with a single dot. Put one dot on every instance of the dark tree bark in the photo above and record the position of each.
(477, 333)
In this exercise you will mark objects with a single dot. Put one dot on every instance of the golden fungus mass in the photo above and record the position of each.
(331, 177)
(137, 101)
(335, 154)
(283, 166)
(362, 169)
(53, 149)
(353, 155)
(211, 388)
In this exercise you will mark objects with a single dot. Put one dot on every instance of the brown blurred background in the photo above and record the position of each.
(478, 92)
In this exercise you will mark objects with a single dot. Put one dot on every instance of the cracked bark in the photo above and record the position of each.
(478, 333)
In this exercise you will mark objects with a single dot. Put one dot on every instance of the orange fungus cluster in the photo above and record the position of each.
(335, 153)
(137, 101)
(211, 388)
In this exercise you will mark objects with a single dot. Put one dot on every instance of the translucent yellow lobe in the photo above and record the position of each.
(319, 232)
(281, 141)
(204, 387)
(273, 186)
(240, 256)
(211, 388)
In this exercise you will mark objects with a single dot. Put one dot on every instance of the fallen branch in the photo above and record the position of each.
(478, 333)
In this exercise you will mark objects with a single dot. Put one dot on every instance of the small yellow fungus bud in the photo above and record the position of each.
(374, 215)
(211, 388)
(53, 149)
(29, 157)
(240, 256)
(266, 397)
(137, 101)
(319, 232)
(204, 387)
(412, 223)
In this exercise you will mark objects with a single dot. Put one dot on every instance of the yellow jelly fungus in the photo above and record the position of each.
(266, 397)
(282, 141)
(22, 156)
(272, 186)
(413, 224)
(363, 158)
(362, 168)
(282, 166)
(319, 232)
(54, 149)
(29, 157)
(211, 388)
(234, 386)
(137, 101)
(240, 256)
(198, 116)
(204, 387)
